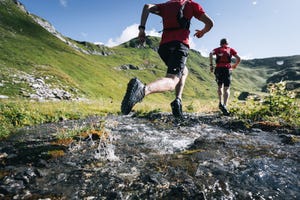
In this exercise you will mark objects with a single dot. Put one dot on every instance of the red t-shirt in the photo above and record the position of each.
(224, 54)
(168, 11)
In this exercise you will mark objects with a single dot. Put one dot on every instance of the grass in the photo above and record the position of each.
(19, 113)
(276, 107)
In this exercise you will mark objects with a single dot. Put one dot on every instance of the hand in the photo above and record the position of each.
(199, 33)
(142, 36)
(211, 68)
(234, 66)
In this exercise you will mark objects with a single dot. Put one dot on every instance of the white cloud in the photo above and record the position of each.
(254, 3)
(64, 3)
(204, 51)
(129, 33)
(98, 43)
(153, 32)
(192, 43)
(248, 56)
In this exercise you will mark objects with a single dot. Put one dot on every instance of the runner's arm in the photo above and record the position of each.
(148, 8)
(208, 24)
(237, 61)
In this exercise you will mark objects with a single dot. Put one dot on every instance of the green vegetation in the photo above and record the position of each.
(19, 113)
(279, 106)
(16, 114)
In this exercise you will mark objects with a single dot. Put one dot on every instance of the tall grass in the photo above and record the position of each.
(19, 113)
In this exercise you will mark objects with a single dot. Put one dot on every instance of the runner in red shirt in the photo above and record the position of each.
(223, 71)
(173, 50)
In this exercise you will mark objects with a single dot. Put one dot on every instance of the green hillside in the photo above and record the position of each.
(98, 72)
(274, 70)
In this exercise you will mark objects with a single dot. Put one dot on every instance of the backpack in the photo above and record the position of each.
(183, 22)
(223, 57)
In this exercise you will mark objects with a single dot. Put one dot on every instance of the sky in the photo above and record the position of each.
(254, 28)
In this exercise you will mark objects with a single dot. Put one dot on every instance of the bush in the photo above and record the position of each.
(280, 105)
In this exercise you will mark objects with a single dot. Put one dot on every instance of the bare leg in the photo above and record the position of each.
(226, 95)
(181, 83)
(161, 85)
(220, 93)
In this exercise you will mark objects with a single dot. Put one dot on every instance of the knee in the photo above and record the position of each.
(173, 82)
(220, 90)
(185, 72)
(226, 89)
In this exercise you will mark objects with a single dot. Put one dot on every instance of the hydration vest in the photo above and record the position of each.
(223, 56)
(183, 22)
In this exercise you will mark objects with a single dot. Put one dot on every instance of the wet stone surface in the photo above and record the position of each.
(154, 157)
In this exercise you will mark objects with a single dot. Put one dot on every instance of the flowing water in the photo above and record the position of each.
(202, 157)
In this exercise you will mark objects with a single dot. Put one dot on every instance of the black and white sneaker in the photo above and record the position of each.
(135, 93)
(177, 108)
(223, 109)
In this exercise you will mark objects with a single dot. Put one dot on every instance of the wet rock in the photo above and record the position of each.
(290, 139)
(150, 157)
(11, 185)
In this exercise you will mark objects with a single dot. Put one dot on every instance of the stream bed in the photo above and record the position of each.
(205, 156)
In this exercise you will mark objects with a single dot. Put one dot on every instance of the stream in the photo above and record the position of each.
(205, 156)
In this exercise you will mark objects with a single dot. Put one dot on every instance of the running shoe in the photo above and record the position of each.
(135, 93)
(176, 108)
(223, 109)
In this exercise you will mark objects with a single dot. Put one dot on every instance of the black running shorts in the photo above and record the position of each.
(223, 76)
(174, 54)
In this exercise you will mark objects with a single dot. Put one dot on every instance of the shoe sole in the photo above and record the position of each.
(128, 101)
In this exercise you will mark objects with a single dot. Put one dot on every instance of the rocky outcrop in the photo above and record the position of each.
(43, 91)
(38, 88)
(128, 67)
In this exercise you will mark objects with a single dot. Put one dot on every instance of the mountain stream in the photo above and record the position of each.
(205, 156)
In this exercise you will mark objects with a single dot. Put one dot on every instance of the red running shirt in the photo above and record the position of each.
(224, 54)
(168, 11)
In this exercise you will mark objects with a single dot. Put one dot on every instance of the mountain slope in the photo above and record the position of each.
(278, 69)
(30, 53)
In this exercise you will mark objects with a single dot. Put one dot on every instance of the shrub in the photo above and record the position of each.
(280, 105)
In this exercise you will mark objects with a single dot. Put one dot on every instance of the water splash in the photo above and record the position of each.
(106, 149)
